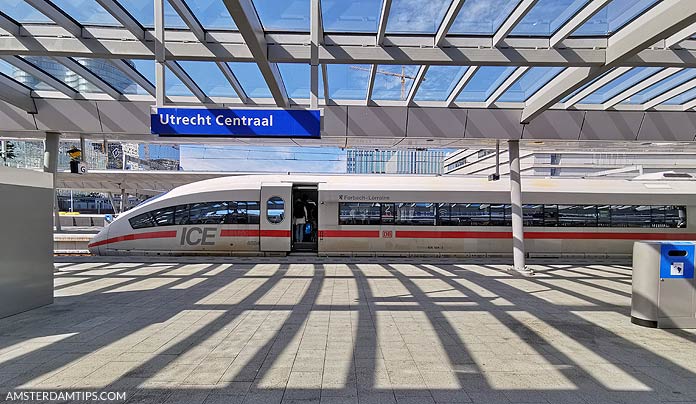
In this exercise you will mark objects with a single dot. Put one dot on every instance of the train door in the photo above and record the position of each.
(276, 222)
(305, 217)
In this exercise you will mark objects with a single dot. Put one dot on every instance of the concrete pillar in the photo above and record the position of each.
(51, 166)
(518, 253)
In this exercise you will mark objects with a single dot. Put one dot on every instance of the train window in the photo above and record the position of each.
(577, 215)
(550, 215)
(163, 217)
(416, 214)
(443, 215)
(674, 216)
(470, 214)
(237, 213)
(253, 212)
(630, 216)
(142, 221)
(388, 210)
(275, 209)
(359, 213)
(208, 213)
(603, 216)
(501, 215)
(533, 215)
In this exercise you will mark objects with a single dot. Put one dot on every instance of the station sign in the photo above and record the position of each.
(247, 123)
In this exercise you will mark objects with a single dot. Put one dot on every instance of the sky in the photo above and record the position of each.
(263, 159)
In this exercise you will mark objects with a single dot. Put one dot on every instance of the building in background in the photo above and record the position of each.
(572, 163)
(405, 161)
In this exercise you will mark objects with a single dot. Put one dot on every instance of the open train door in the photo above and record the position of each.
(276, 217)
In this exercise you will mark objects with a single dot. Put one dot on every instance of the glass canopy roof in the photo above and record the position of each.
(406, 28)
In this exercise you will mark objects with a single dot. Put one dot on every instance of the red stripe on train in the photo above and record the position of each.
(349, 233)
(547, 235)
(254, 233)
(137, 236)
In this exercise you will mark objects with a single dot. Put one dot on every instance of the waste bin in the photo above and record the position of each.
(663, 288)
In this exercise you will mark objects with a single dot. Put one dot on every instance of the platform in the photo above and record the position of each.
(290, 331)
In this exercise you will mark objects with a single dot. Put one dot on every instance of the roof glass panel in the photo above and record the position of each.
(87, 12)
(484, 82)
(393, 82)
(62, 73)
(286, 15)
(482, 17)
(23, 77)
(209, 78)
(547, 16)
(296, 80)
(112, 75)
(682, 98)
(212, 14)
(620, 84)
(584, 86)
(439, 81)
(174, 86)
(22, 12)
(144, 12)
(613, 17)
(529, 83)
(416, 16)
(348, 82)
(661, 87)
(145, 67)
(249, 76)
(350, 16)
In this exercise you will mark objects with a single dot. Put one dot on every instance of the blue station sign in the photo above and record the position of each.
(249, 123)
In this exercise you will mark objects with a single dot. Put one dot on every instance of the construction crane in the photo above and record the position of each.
(403, 76)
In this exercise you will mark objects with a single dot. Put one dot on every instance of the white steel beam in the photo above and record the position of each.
(681, 89)
(9, 25)
(463, 81)
(661, 21)
(371, 84)
(88, 75)
(191, 21)
(628, 93)
(58, 16)
(117, 11)
(383, 18)
(236, 85)
(16, 94)
(447, 21)
(689, 105)
(160, 54)
(188, 81)
(316, 37)
(576, 22)
(40, 74)
(134, 75)
(416, 84)
(517, 15)
(505, 85)
(682, 35)
(325, 76)
(606, 79)
(244, 15)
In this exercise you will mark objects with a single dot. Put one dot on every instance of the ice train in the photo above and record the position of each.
(402, 215)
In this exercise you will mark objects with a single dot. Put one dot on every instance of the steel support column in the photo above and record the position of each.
(160, 52)
(518, 253)
(124, 201)
(51, 166)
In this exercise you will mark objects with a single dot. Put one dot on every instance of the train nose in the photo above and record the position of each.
(95, 245)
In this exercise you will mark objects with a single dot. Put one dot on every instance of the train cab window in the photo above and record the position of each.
(142, 221)
(208, 213)
(416, 214)
(237, 213)
(181, 214)
(275, 209)
(163, 217)
(359, 213)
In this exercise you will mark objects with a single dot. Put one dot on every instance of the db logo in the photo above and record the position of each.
(387, 234)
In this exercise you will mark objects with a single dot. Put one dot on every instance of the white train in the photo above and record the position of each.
(401, 215)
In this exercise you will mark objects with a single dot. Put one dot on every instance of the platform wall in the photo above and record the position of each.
(26, 240)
